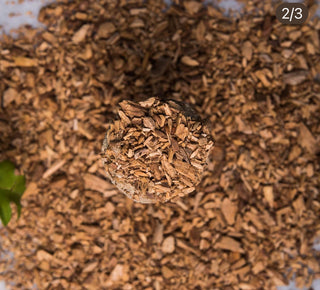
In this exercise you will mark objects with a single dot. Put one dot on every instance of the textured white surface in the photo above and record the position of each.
(292, 286)
(229, 6)
(2, 285)
(13, 15)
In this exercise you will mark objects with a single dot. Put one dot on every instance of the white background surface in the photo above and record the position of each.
(27, 12)
(12, 14)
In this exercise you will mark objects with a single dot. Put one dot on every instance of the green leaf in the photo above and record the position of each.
(5, 209)
(7, 177)
(19, 185)
(11, 189)
(11, 196)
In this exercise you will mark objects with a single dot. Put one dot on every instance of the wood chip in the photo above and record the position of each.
(268, 195)
(81, 34)
(90, 267)
(230, 244)
(187, 60)
(295, 78)
(32, 189)
(117, 273)
(106, 29)
(25, 61)
(43, 255)
(247, 50)
(229, 210)
(168, 245)
(307, 141)
(9, 96)
(55, 167)
(192, 6)
(93, 182)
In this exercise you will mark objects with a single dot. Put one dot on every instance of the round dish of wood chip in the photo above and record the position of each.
(156, 151)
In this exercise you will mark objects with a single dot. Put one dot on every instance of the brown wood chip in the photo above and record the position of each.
(81, 34)
(93, 182)
(230, 244)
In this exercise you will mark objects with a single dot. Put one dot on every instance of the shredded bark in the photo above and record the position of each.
(155, 152)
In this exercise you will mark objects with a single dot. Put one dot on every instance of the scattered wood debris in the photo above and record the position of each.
(251, 221)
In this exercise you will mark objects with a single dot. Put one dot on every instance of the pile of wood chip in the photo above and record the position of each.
(156, 151)
(253, 218)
